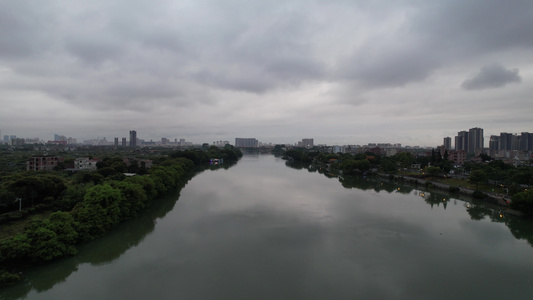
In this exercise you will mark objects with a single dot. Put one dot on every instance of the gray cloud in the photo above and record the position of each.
(236, 62)
(389, 65)
(24, 28)
(473, 28)
(432, 35)
(492, 76)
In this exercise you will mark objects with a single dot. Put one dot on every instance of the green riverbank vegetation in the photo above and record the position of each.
(483, 177)
(64, 209)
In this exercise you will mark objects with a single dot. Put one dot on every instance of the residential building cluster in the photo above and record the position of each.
(505, 142)
(50, 162)
(512, 147)
(61, 140)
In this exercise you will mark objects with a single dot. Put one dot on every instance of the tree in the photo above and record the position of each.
(134, 166)
(53, 238)
(433, 171)
(523, 175)
(388, 165)
(15, 247)
(405, 159)
(107, 171)
(446, 166)
(135, 198)
(89, 177)
(36, 186)
(354, 166)
(478, 176)
(147, 184)
(423, 161)
(485, 157)
(99, 211)
(523, 202)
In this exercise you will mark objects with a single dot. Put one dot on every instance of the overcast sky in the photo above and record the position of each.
(338, 71)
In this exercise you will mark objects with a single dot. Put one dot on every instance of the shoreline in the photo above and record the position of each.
(492, 198)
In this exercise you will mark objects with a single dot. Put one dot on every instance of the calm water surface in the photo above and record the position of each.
(262, 230)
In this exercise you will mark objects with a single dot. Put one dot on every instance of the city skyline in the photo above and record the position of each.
(342, 72)
(472, 141)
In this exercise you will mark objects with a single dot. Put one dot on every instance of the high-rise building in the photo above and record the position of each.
(475, 141)
(246, 142)
(116, 141)
(471, 141)
(59, 137)
(494, 143)
(515, 142)
(526, 141)
(461, 141)
(448, 143)
(133, 138)
(307, 143)
(506, 141)
(124, 143)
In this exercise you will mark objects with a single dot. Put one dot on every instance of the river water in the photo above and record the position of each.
(262, 230)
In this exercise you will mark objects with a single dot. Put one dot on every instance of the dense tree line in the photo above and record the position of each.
(498, 172)
(522, 201)
(87, 205)
(347, 163)
(495, 172)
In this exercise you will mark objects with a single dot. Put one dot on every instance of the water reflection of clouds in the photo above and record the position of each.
(491, 238)
(380, 242)
(254, 232)
(240, 190)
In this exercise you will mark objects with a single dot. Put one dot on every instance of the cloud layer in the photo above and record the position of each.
(339, 71)
(492, 76)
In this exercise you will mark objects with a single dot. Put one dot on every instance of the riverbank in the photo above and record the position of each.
(492, 198)
(263, 230)
(95, 208)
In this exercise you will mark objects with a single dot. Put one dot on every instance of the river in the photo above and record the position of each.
(262, 230)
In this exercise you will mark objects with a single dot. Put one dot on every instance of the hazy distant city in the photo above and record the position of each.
(469, 142)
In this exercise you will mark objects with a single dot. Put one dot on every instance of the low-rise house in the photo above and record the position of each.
(458, 157)
(85, 163)
(43, 163)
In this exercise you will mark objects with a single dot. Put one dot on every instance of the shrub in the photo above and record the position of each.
(523, 202)
(7, 278)
(454, 189)
(479, 195)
